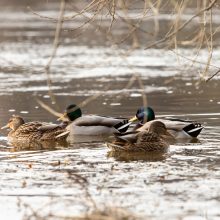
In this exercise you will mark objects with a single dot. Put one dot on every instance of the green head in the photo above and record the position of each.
(145, 114)
(73, 112)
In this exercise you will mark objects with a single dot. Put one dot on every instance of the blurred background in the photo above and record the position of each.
(113, 56)
(99, 42)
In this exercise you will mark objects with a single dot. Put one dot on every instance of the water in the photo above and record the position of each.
(66, 180)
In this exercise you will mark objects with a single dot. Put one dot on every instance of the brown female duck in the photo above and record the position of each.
(155, 139)
(32, 131)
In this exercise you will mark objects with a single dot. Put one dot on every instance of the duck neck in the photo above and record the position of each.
(16, 125)
(138, 125)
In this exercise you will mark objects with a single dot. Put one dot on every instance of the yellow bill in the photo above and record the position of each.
(133, 119)
(6, 126)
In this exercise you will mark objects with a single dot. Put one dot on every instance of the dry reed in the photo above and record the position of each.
(119, 12)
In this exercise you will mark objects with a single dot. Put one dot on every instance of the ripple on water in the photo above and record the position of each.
(182, 184)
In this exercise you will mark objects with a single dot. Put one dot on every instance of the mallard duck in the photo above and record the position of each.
(91, 125)
(32, 131)
(178, 128)
(155, 139)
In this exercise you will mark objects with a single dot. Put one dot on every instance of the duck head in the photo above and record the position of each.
(14, 122)
(158, 127)
(72, 112)
(143, 115)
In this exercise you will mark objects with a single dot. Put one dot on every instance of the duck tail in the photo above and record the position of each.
(62, 135)
(115, 147)
(193, 129)
(122, 126)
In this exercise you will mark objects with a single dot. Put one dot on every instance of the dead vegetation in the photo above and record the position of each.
(189, 24)
(109, 214)
(106, 214)
(92, 210)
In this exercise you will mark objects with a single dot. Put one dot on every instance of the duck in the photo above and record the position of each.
(155, 139)
(91, 125)
(178, 128)
(32, 131)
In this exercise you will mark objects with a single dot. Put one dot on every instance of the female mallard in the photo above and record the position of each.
(176, 127)
(32, 131)
(91, 125)
(155, 139)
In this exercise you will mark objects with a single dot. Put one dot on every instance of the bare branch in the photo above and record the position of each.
(183, 25)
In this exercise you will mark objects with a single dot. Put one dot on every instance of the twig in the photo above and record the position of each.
(55, 47)
(57, 34)
(209, 44)
(88, 100)
(49, 109)
(182, 26)
(65, 18)
(212, 76)
(195, 61)
(82, 104)
(141, 85)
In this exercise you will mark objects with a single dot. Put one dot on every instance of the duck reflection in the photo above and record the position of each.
(137, 156)
(36, 145)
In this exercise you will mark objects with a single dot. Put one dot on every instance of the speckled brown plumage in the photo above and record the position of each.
(152, 140)
(146, 141)
(33, 131)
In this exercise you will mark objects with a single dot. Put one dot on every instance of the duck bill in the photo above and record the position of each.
(133, 119)
(5, 127)
(62, 117)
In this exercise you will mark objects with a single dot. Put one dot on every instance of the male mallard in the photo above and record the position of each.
(91, 125)
(176, 127)
(32, 131)
(155, 139)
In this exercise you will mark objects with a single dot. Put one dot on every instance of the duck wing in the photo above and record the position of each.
(96, 125)
(27, 131)
(120, 124)
(138, 142)
(96, 120)
(192, 128)
(38, 130)
(130, 137)
(150, 142)
(29, 127)
(49, 126)
(122, 142)
(173, 124)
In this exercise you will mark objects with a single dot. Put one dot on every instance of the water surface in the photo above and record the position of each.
(68, 180)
